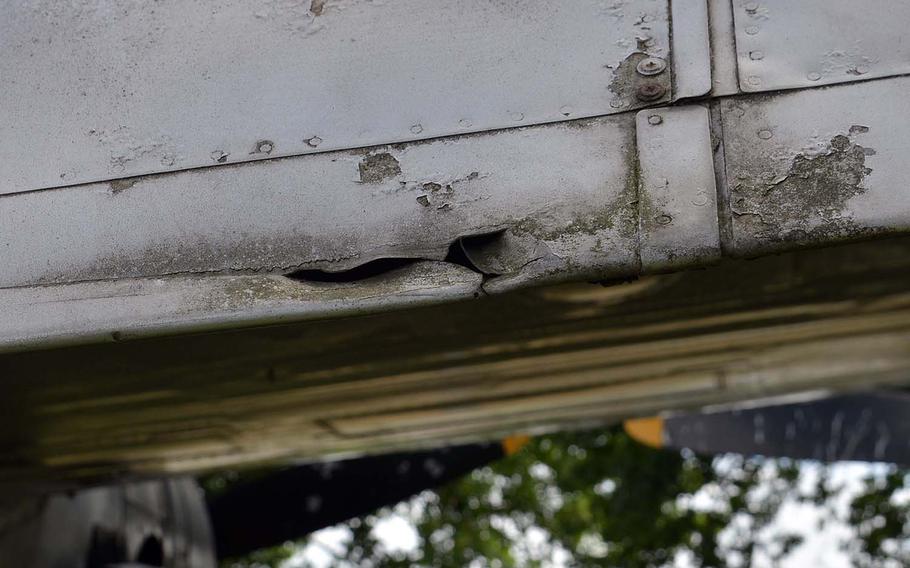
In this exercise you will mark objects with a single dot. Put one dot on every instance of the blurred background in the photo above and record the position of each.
(600, 498)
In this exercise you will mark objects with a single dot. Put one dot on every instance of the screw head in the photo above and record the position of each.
(650, 92)
(655, 119)
(651, 66)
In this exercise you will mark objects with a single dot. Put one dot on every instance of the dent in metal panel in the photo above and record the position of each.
(691, 48)
(818, 166)
(563, 190)
(677, 199)
(97, 90)
(782, 44)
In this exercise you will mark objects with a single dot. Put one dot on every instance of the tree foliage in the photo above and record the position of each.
(601, 499)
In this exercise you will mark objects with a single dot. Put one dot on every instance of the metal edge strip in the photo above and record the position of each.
(690, 48)
(44, 317)
(678, 198)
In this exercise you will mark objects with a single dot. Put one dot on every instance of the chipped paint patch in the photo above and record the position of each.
(126, 149)
(119, 185)
(317, 6)
(376, 168)
(810, 200)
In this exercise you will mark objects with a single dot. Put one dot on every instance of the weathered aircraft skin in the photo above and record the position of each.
(246, 232)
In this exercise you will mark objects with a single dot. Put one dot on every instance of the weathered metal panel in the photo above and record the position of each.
(817, 166)
(41, 317)
(677, 198)
(691, 48)
(564, 192)
(781, 44)
(723, 48)
(98, 89)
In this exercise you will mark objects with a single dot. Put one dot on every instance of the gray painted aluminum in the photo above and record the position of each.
(781, 44)
(723, 48)
(584, 199)
(111, 311)
(563, 189)
(678, 201)
(691, 48)
(99, 89)
(202, 250)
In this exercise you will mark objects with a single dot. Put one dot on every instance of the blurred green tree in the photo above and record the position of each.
(601, 499)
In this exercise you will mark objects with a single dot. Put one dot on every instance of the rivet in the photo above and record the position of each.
(655, 119)
(417, 128)
(701, 199)
(752, 30)
(518, 116)
(314, 141)
(756, 55)
(650, 92)
(861, 69)
(764, 134)
(754, 80)
(617, 103)
(664, 220)
(264, 147)
(651, 66)
(813, 76)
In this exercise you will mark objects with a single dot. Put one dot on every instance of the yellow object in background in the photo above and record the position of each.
(648, 431)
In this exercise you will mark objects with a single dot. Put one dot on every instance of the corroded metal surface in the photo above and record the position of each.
(818, 166)
(97, 90)
(782, 44)
(567, 191)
